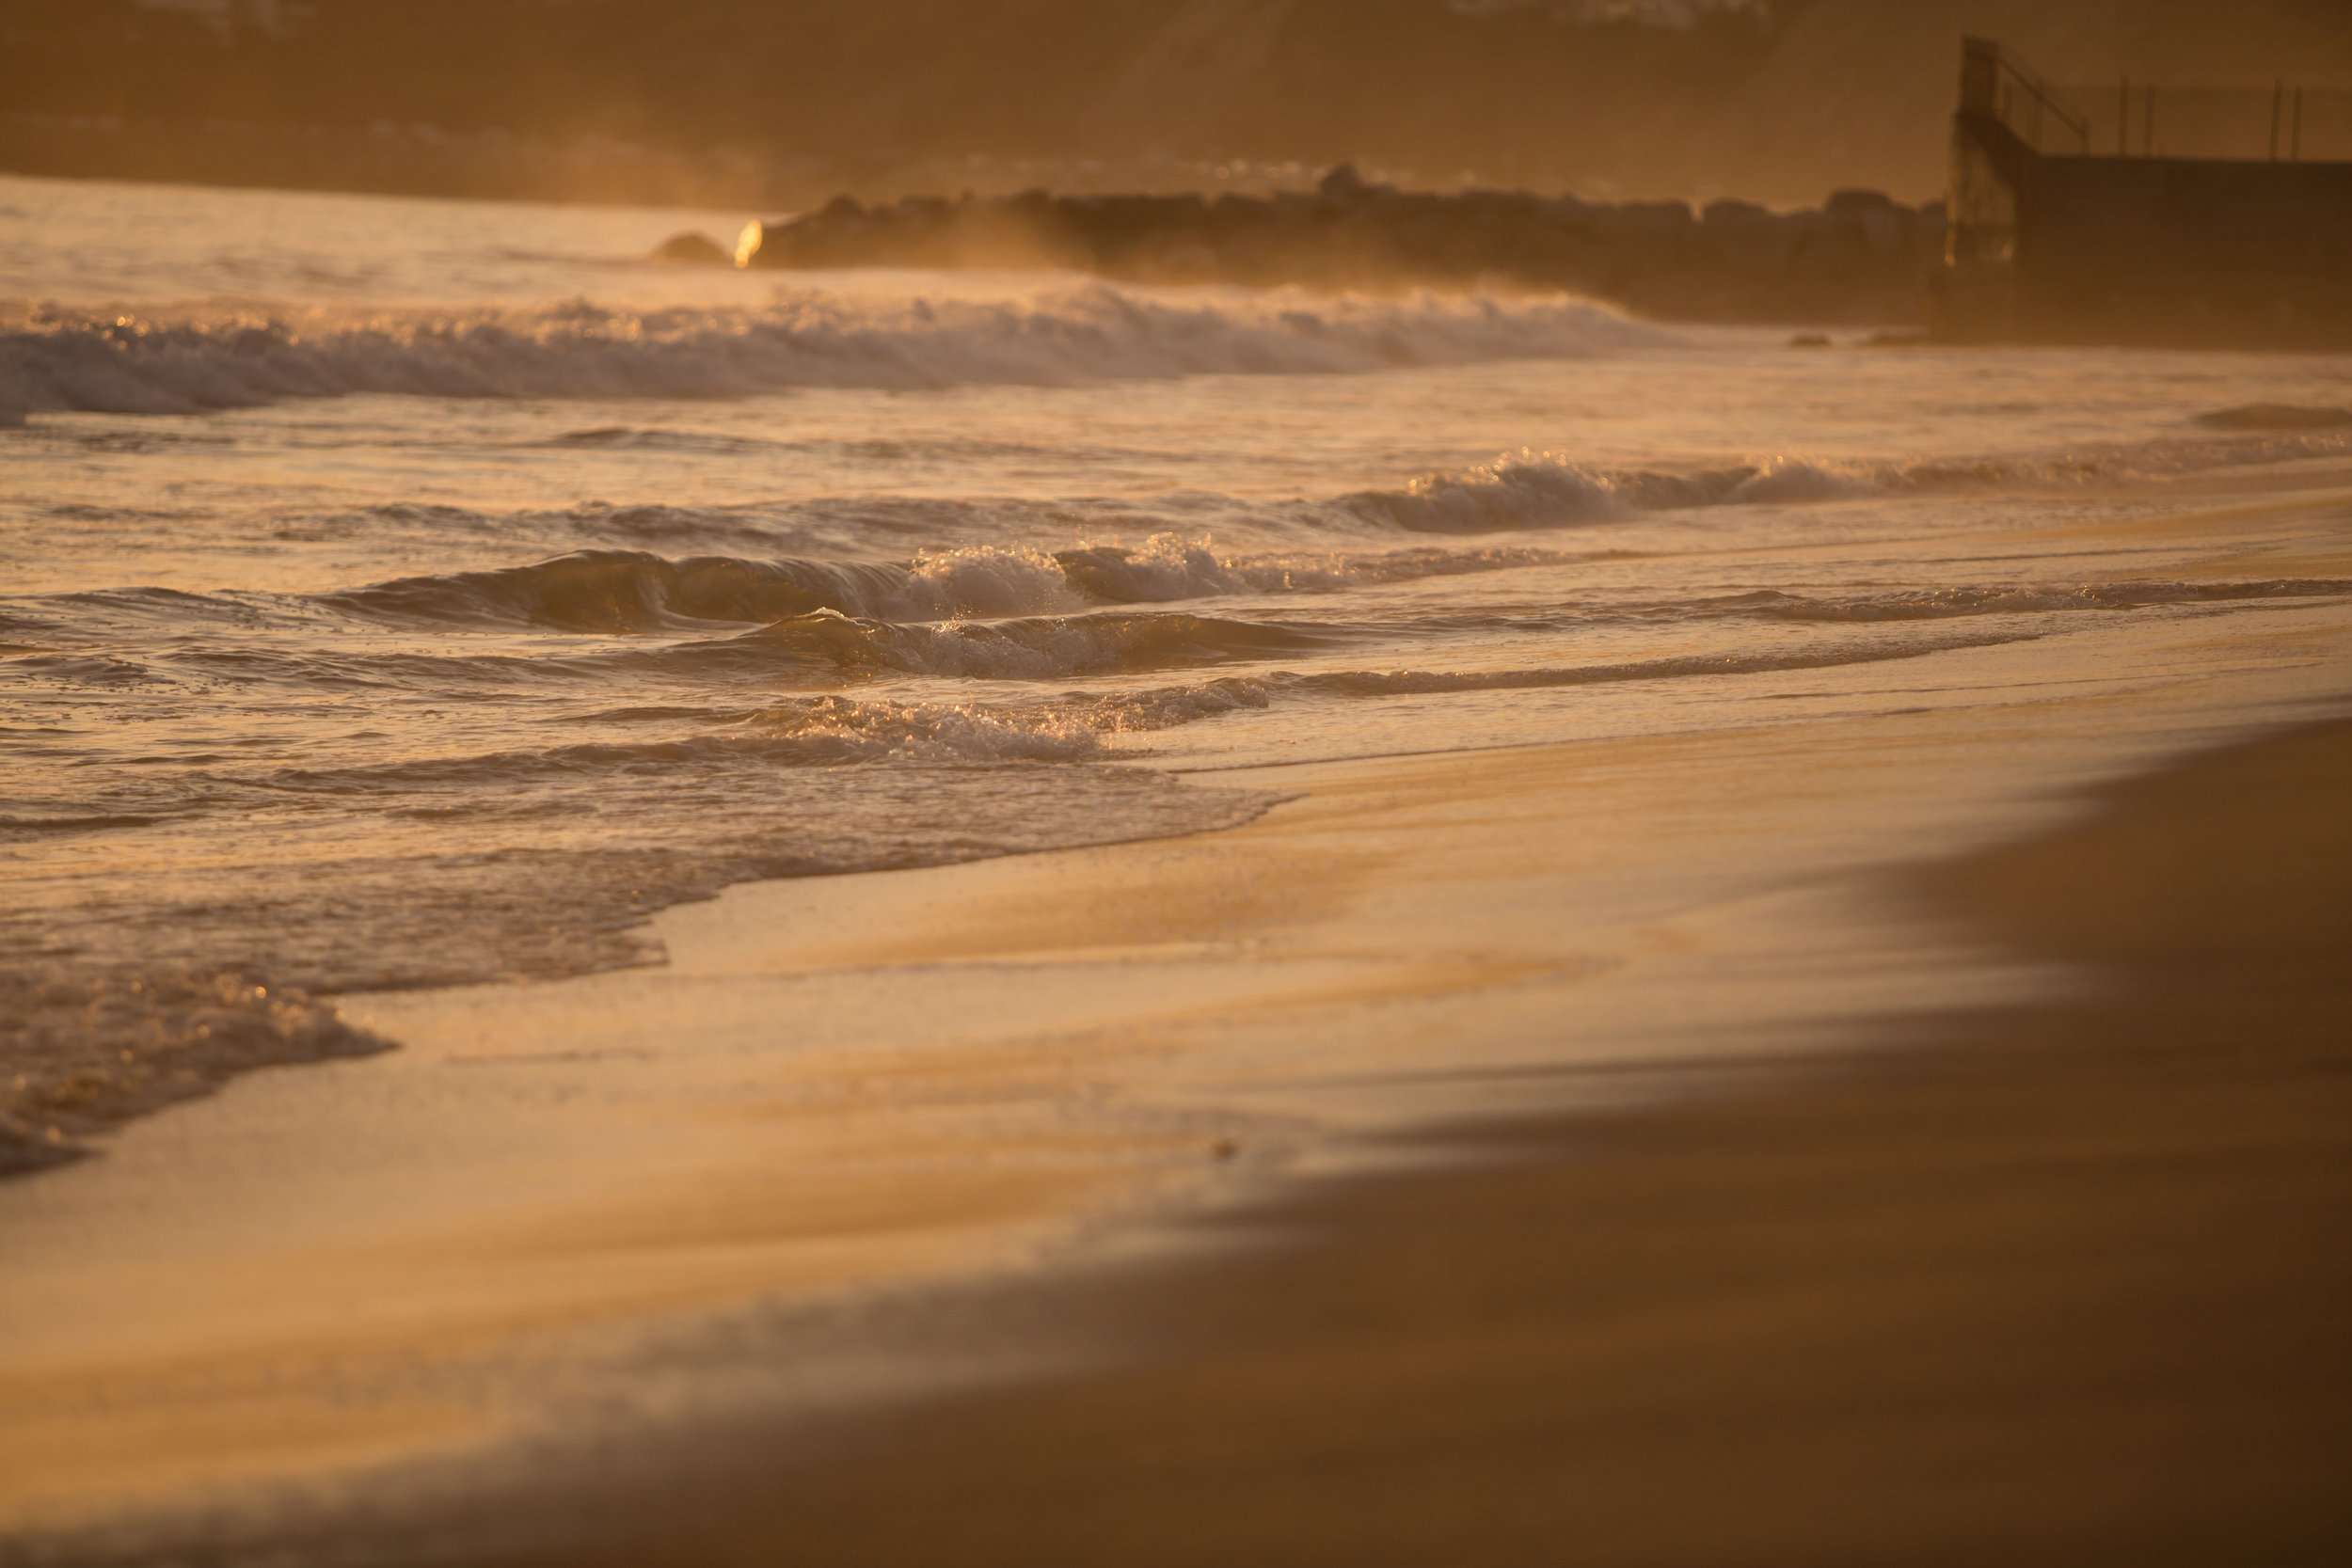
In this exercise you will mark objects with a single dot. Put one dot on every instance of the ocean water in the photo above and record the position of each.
(403, 592)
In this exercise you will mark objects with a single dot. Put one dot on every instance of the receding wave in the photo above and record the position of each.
(85, 1050)
(52, 359)
(114, 1007)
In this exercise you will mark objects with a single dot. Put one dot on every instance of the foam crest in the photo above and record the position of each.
(983, 581)
(54, 359)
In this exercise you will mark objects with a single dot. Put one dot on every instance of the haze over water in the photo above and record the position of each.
(404, 593)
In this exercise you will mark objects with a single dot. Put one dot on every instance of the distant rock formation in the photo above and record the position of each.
(1861, 259)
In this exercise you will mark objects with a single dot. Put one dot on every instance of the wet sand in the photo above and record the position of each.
(2065, 1283)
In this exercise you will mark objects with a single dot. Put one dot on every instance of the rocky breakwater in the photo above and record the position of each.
(1861, 259)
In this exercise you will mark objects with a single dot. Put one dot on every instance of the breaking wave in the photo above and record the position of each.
(54, 359)
(633, 591)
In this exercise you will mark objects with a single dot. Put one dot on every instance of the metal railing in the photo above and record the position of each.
(2282, 122)
(1993, 81)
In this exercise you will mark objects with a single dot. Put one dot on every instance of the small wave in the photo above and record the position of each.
(632, 591)
(1167, 568)
(1545, 490)
(1949, 603)
(622, 591)
(1415, 683)
(1166, 707)
(1043, 648)
(54, 360)
(1171, 706)
(625, 439)
(2276, 416)
(1535, 490)
(43, 826)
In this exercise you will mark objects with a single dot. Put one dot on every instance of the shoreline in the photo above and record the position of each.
(2038, 1281)
(425, 1404)
(846, 1154)
(2055, 1280)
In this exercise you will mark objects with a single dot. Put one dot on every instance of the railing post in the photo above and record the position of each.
(1980, 76)
(2278, 103)
(2123, 120)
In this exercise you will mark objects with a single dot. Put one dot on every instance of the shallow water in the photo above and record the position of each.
(401, 593)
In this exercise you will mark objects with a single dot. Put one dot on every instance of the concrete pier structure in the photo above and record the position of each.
(2049, 243)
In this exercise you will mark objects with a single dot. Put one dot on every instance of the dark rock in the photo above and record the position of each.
(1858, 201)
(1728, 213)
(1341, 182)
(1863, 259)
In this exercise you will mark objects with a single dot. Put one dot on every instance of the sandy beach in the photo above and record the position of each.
(1657, 1149)
(2058, 1283)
